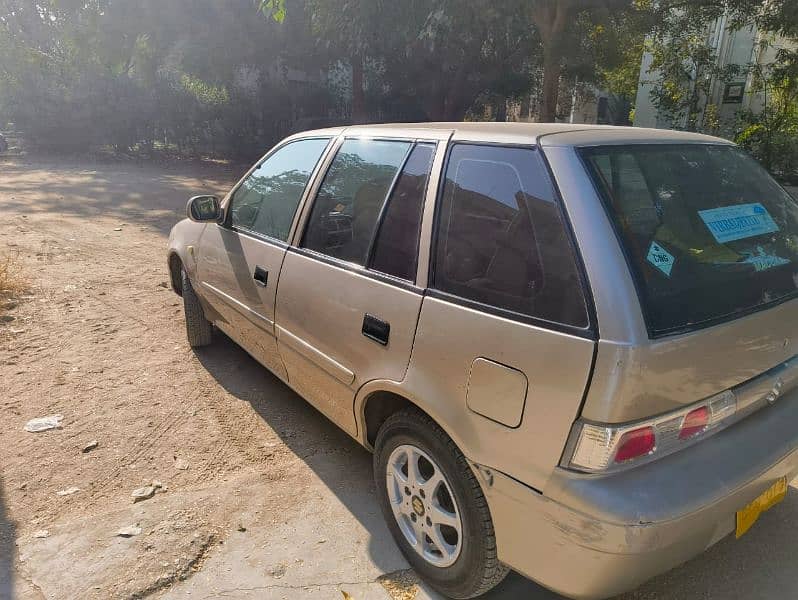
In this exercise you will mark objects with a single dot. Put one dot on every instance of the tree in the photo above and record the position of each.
(451, 52)
(771, 134)
(186, 76)
(554, 21)
(618, 49)
(434, 57)
(685, 66)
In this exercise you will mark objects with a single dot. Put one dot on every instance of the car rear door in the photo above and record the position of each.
(348, 303)
(505, 341)
(239, 261)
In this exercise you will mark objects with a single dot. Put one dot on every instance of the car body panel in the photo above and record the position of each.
(557, 366)
(636, 381)
(226, 263)
(614, 532)
(320, 332)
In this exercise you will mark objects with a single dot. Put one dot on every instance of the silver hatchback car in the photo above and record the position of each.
(572, 349)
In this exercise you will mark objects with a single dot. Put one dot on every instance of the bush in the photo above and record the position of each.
(773, 142)
(12, 279)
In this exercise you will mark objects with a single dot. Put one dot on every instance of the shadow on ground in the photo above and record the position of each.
(341, 463)
(7, 549)
(762, 564)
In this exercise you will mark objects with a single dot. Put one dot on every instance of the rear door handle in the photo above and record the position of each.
(261, 276)
(376, 329)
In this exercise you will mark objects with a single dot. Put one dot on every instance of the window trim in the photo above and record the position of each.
(355, 268)
(384, 207)
(384, 210)
(582, 152)
(590, 331)
(227, 220)
(312, 192)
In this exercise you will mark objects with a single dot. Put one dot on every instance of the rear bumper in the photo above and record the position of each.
(596, 536)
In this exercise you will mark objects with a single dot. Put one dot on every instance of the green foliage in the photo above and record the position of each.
(684, 65)
(191, 76)
(204, 93)
(228, 78)
(771, 134)
(273, 8)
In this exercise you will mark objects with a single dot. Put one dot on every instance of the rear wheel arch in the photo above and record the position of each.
(379, 404)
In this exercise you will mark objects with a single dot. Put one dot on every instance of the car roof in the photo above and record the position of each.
(548, 134)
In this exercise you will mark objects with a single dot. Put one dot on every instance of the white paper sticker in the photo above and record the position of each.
(660, 258)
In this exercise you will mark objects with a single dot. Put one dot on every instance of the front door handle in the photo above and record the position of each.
(261, 276)
(376, 329)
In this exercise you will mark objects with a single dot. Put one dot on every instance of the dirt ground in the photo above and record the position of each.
(260, 496)
(99, 339)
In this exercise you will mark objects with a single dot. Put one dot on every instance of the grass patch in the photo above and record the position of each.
(12, 278)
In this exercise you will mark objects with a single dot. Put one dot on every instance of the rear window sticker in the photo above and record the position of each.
(763, 261)
(660, 258)
(730, 223)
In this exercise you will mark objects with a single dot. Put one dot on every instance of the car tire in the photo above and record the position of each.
(198, 329)
(410, 435)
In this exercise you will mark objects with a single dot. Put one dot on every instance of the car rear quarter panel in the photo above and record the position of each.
(557, 366)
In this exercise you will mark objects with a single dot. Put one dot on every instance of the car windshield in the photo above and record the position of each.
(709, 234)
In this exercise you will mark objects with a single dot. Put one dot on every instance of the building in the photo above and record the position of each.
(742, 47)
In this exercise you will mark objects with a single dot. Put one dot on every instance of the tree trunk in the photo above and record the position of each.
(358, 95)
(501, 109)
(551, 17)
(551, 86)
(455, 102)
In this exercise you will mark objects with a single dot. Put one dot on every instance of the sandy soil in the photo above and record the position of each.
(99, 339)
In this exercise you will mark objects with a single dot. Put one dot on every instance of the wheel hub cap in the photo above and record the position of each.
(418, 506)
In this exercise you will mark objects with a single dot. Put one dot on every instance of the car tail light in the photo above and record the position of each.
(635, 443)
(695, 422)
(596, 447)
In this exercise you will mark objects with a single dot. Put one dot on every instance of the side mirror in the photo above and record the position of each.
(204, 209)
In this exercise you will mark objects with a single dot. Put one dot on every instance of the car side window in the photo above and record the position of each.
(501, 236)
(351, 197)
(266, 201)
(396, 246)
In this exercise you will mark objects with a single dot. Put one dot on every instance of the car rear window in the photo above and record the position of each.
(709, 234)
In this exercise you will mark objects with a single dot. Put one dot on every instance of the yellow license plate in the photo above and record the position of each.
(769, 498)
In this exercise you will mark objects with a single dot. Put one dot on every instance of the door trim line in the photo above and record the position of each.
(505, 313)
(355, 268)
(316, 356)
(239, 306)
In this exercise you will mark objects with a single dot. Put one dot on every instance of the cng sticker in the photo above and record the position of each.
(660, 258)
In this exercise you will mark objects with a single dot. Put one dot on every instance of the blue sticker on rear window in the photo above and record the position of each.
(660, 258)
(738, 222)
(763, 261)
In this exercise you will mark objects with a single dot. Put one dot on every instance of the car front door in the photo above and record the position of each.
(347, 305)
(239, 261)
